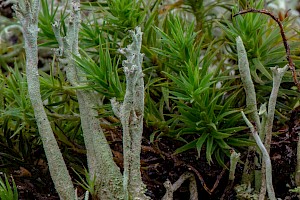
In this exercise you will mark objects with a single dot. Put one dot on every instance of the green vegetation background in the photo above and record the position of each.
(193, 90)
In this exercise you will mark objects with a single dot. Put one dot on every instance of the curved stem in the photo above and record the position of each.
(266, 158)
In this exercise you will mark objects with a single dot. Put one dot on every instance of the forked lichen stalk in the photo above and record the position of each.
(131, 113)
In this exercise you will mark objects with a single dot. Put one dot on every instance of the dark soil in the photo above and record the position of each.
(159, 164)
(6, 10)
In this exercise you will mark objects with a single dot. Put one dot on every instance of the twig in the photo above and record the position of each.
(200, 178)
(190, 167)
(178, 162)
(219, 178)
(170, 189)
(285, 43)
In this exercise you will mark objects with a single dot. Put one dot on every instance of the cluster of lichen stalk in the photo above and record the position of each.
(109, 181)
(261, 130)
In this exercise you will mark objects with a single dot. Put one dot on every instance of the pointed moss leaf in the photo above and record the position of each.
(152, 136)
(223, 144)
(225, 114)
(173, 78)
(178, 95)
(261, 68)
(200, 90)
(220, 158)
(234, 129)
(212, 125)
(186, 147)
(209, 149)
(239, 142)
(200, 142)
(220, 135)
(206, 80)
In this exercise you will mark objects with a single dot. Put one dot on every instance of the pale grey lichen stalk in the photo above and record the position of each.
(269, 115)
(108, 178)
(247, 82)
(251, 102)
(277, 77)
(234, 158)
(266, 157)
(131, 113)
(27, 12)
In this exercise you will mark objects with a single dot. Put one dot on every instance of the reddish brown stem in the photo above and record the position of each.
(285, 43)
